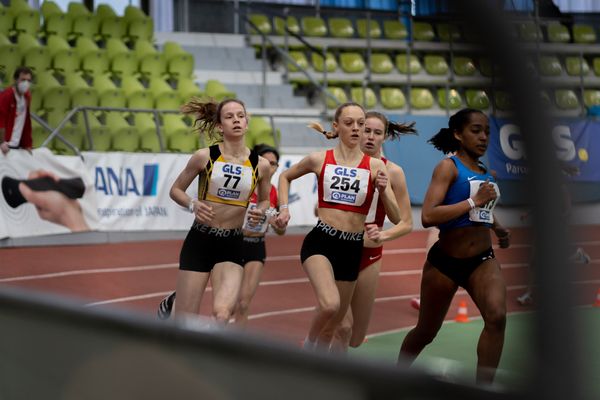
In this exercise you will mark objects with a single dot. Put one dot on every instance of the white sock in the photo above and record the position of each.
(309, 344)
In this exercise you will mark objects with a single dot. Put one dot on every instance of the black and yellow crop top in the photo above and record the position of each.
(226, 182)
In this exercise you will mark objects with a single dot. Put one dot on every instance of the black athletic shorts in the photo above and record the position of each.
(457, 269)
(205, 246)
(254, 249)
(342, 249)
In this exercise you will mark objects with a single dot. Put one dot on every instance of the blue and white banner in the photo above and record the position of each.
(577, 143)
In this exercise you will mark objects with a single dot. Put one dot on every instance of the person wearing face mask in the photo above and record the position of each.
(15, 118)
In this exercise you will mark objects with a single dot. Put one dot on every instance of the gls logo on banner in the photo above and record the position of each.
(124, 182)
(512, 145)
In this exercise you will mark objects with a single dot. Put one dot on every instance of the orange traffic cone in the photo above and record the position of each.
(462, 312)
(597, 303)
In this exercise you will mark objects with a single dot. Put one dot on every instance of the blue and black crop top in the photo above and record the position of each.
(466, 185)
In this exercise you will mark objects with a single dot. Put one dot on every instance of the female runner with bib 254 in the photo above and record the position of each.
(331, 252)
(228, 175)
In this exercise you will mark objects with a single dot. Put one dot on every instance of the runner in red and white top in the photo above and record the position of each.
(353, 329)
(331, 251)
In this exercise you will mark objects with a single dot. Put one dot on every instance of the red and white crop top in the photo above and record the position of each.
(346, 188)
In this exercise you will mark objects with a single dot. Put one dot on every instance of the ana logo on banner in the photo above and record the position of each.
(124, 182)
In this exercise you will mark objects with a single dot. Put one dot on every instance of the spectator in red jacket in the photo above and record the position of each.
(15, 118)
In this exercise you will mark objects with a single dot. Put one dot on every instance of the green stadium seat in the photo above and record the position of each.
(6, 22)
(10, 59)
(144, 48)
(85, 46)
(101, 139)
(262, 23)
(423, 31)
(27, 22)
(103, 84)
(340, 27)
(140, 29)
(168, 101)
(126, 140)
(291, 23)
(84, 97)
(56, 99)
(503, 100)
(545, 99)
(45, 80)
(381, 63)
(181, 66)
(258, 126)
(463, 66)
(112, 27)
(115, 47)
(75, 81)
(104, 11)
(50, 8)
(352, 63)
(300, 58)
(4, 40)
(448, 32)
(16, 6)
(130, 85)
(124, 65)
(55, 117)
(583, 33)
(75, 8)
(373, 30)
(217, 90)
(591, 97)
(577, 66)
(596, 64)
(143, 121)
(112, 98)
(566, 99)
(149, 142)
(392, 98)
(187, 88)
(421, 98)
(38, 134)
(558, 33)
(133, 12)
(530, 32)
(313, 27)
(486, 67)
(435, 65)
(477, 99)
(395, 30)
(115, 121)
(172, 49)
(317, 62)
(74, 136)
(56, 44)
(83, 26)
(153, 66)
(27, 42)
(57, 24)
(159, 87)
(550, 66)
(173, 124)
(65, 62)
(36, 100)
(38, 59)
(183, 142)
(403, 65)
(140, 99)
(449, 99)
(357, 94)
(339, 94)
(95, 64)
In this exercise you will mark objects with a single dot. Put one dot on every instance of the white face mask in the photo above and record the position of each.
(23, 86)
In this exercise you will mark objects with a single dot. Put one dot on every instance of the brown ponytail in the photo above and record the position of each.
(208, 115)
(393, 130)
(319, 128)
